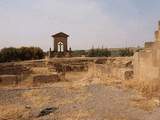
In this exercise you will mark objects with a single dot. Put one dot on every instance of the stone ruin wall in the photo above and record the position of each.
(15, 73)
(53, 70)
(120, 68)
(147, 61)
(13, 69)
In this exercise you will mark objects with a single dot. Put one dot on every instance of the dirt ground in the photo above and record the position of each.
(84, 96)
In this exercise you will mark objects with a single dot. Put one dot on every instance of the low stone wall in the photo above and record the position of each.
(13, 69)
(9, 79)
(77, 67)
(55, 64)
(52, 78)
(35, 63)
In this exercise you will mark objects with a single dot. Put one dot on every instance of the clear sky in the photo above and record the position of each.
(107, 23)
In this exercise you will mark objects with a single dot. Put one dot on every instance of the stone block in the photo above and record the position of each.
(9, 80)
(51, 78)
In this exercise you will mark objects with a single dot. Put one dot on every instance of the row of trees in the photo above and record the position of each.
(99, 53)
(107, 53)
(126, 52)
(103, 52)
(19, 54)
(33, 53)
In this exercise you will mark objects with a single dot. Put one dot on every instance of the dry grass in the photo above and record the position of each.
(149, 88)
(74, 76)
(145, 104)
(35, 98)
(78, 99)
(77, 115)
(11, 112)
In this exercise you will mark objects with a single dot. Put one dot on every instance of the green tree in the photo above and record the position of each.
(9, 54)
(92, 53)
(99, 53)
(23, 53)
(126, 52)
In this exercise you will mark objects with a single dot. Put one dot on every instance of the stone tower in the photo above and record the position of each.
(60, 42)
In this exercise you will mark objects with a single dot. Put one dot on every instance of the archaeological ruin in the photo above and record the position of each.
(41, 71)
(146, 61)
(144, 65)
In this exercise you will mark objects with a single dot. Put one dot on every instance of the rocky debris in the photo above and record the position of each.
(28, 107)
(47, 111)
(128, 75)
(120, 62)
(122, 73)
(129, 64)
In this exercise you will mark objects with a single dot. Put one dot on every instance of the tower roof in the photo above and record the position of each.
(60, 34)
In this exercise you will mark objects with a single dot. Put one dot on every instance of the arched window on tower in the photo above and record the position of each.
(60, 47)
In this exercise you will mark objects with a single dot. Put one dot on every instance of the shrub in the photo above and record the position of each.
(9, 54)
(78, 53)
(23, 53)
(99, 53)
(126, 52)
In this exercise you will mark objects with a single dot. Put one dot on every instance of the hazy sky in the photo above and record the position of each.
(111, 23)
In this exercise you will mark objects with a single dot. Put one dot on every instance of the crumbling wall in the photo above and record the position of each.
(120, 68)
(146, 65)
(146, 62)
(42, 71)
(122, 73)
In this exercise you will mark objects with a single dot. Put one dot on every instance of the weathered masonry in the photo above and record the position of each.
(60, 42)
(147, 61)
